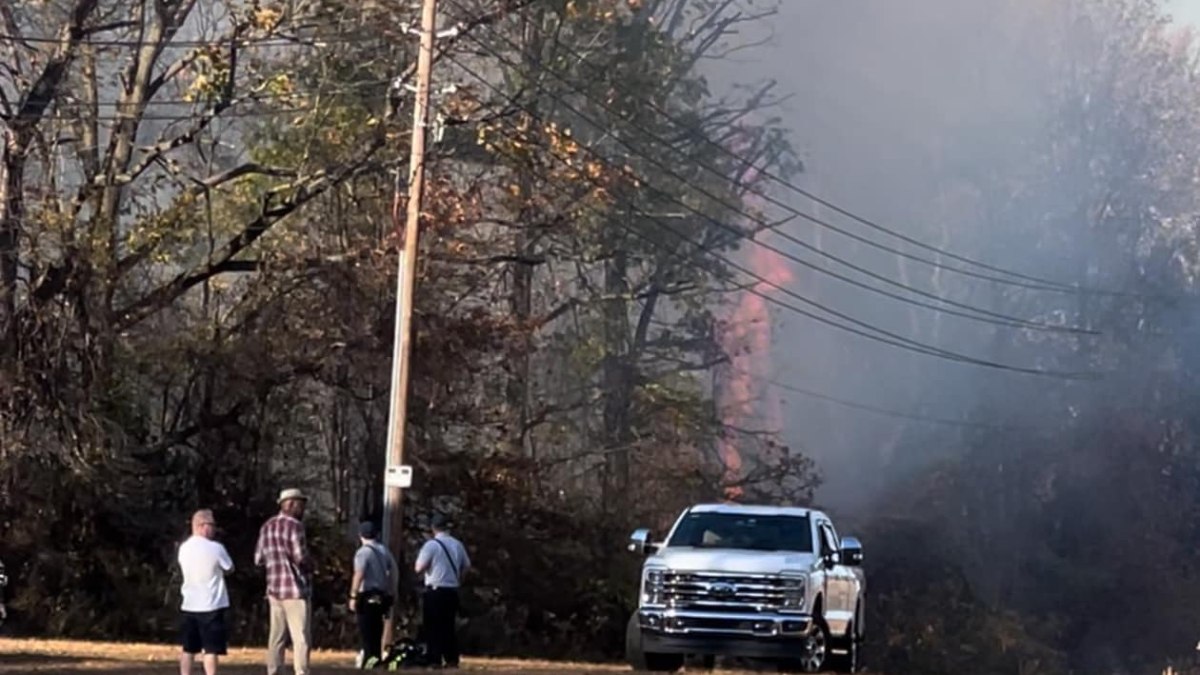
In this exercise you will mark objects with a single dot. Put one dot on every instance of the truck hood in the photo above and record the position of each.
(731, 560)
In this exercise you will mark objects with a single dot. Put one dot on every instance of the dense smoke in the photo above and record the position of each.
(898, 114)
(1055, 140)
(923, 118)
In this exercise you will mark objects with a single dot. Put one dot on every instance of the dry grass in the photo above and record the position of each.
(68, 657)
(73, 657)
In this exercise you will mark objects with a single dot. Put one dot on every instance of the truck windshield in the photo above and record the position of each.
(741, 531)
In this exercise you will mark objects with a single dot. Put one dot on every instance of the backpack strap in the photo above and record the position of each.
(387, 568)
(450, 559)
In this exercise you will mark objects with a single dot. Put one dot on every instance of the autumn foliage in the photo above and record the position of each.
(197, 284)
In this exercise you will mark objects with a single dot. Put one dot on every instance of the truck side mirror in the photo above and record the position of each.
(852, 552)
(639, 542)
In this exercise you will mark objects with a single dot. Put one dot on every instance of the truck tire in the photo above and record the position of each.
(638, 658)
(816, 648)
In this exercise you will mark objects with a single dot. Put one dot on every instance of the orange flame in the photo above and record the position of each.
(745, 399)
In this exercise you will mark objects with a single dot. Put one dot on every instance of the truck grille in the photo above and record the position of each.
(715, 591)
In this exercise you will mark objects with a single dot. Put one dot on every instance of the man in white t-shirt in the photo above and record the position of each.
(204, 563)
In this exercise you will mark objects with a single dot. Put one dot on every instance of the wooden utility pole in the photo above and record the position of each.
(406, 280)
(393, 523)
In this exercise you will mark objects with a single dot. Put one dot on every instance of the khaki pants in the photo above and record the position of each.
(294, 618)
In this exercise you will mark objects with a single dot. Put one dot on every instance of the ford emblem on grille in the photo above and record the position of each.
(722, 590)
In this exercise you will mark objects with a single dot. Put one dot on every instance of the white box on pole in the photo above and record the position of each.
(398, 476)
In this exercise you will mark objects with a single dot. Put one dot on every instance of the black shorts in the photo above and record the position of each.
(204, 631)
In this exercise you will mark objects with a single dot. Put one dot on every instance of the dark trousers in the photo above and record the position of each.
(440, 611)
(370, 625)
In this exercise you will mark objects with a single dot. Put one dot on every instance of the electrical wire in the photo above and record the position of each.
(985, 315)
(228, 113)
(185, 118)
(1026, 281)
(353, 88)
(896, 339)
(312, 42)
(1033, 282)
(1029, 281)
(857, 326)
(289, 41)
(855, 405)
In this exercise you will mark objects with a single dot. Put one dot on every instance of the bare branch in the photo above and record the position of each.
(302, 192)
(105, 27)
(33, 105)
(530, 260)
(247, 169)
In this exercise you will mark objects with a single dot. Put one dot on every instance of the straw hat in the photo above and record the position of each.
(292, 493)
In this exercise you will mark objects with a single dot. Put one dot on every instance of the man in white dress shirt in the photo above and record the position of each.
(204, 563)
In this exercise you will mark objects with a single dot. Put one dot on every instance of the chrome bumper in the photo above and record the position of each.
(668, 621)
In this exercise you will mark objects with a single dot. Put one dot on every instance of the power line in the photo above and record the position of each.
(376, 33)
(986, 316)
(1030, 282)
(896, 338)
(185, 118)
(353, 88)
(876, 334)
(202, 113)
(285, 41)
(885, 411)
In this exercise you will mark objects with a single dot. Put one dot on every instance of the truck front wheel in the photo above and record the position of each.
(638, 658)
(814, 650)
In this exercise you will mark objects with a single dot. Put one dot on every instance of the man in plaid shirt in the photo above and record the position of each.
(283, 551)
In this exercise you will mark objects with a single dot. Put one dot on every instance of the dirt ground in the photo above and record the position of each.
(71, 657)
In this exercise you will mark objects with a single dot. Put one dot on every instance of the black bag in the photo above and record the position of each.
(406, 653)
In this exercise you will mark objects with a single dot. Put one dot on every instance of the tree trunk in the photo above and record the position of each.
(12, 211)
(617, 374)
(521, 300)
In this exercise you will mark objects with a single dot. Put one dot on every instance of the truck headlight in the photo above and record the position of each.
(793, 593)
(652, 587)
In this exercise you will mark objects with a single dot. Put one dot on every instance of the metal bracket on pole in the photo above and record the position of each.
(439, 128)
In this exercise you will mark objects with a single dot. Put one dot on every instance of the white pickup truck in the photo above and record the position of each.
(758, 582)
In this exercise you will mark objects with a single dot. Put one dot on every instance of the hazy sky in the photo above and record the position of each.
(1185, 10)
